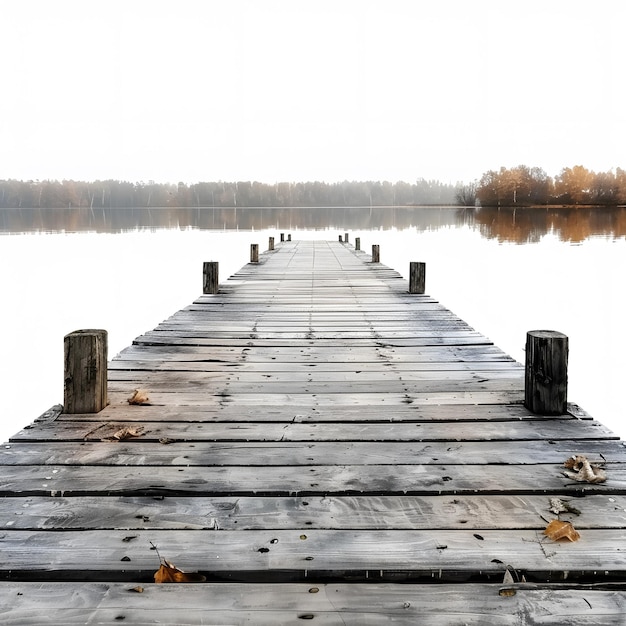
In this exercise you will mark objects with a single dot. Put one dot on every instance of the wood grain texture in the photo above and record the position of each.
(312, 422)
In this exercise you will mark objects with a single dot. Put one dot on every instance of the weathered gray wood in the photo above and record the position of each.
(72, 480)
(357, 243)
(85, 371)
(375, 253)
(417, 277)
(210, 277)
(290, 430)
(320, 453)
(546, 372)
(295, 555)
(307, 413)
(455, 512)
(254, 253)
(320, 422)
(369, 604)
(271, 244)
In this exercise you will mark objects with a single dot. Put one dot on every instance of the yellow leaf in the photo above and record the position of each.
(139, 396)
(558, 529)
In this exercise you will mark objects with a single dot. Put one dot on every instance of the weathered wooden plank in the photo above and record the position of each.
(226, 368)
(251, 376)
(311, 400)
(263, 454)
(460, 512)
(73, 480)
(305, 413)
(187, 387)
(293, 555)
(518, 430)
(371, 604)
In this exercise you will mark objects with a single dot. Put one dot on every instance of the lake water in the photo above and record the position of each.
(504, 271)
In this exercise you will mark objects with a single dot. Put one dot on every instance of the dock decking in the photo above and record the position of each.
(320, 445)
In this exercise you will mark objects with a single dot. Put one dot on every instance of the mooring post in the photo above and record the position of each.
(375, 253)
(85, 371)
(254, 253)
(545, 391)
(340, 239)
(210, 273)
(417, 277)
(289, 237)
(357, 243)
(271, 244)
(282, 236)
(345, 238)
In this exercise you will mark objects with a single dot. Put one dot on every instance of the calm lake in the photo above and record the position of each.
(504, 271)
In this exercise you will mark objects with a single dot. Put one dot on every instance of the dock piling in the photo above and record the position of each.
(254, 253)
(282, 237)
(289, 237)
(210, 277)
(271, 244)
(375, 253)
(545, 390)
(417, 277)
(345, 238)
(357, 243)
(85, 371)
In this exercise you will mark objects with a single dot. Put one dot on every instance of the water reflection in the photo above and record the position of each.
(570, 225)
(516, 225)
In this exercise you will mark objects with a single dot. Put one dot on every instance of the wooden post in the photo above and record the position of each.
(357, 243)
(271, 244)
(545, 391)
(340, 239)
(345, 238)
(211, 277)
(375, 253)
(282, 236)
(417, 277)
(85, 375)
(254, 253)
(289, 237)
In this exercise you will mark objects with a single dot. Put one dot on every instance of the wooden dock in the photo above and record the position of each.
(319, 445)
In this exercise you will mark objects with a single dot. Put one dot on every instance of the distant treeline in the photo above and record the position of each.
(121, 194)
(517, 186)
(525, 186)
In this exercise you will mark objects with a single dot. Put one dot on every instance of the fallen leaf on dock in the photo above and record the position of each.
(168, 573)
(126, 432)
(558, 529)
(580, 469)
(139, 396)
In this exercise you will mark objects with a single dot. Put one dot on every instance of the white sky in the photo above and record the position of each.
(288, 90)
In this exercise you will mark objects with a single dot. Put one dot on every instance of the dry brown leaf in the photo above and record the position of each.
(139, 396)
(126, 432)
(558, 529)
(580, 469)
(168, 573)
